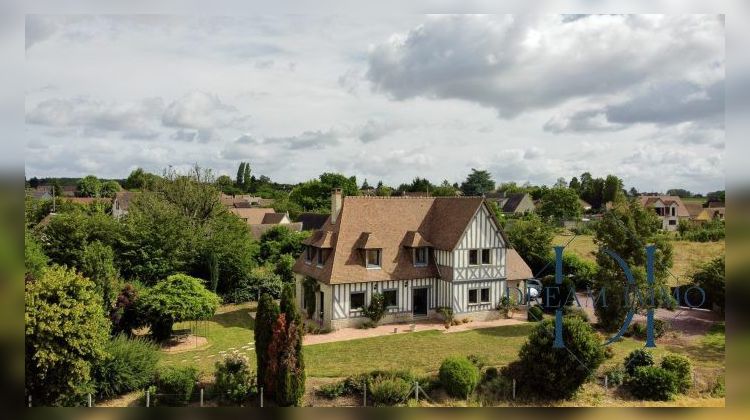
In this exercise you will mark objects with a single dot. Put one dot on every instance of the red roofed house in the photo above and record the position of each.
(421, 253)
(669, 208)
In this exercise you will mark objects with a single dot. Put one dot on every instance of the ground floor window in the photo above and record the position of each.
(473, 296)
(485, 295)
(391, 298)
(357, 300)
(673, 222)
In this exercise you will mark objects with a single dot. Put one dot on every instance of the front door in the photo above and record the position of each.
(320, 307)
(419, 301)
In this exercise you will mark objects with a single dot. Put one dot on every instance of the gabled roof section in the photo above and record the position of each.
(512, 203)
(414, 239)
(273, 218)
(668, 200)
(312, 221)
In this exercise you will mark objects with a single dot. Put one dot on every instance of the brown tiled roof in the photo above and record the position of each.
(649, 200)
(85, 200)
(716, 204)
(694, 209)
(273, 218)
(252, 216)
(414, 239)
(515, 267)
(385, 222)
(320, 239)
(312, 221)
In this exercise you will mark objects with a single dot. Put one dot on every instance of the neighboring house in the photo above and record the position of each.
(709, 214)
(69, 190)
(669, 208)
(694, 209)
(518, 203)
(421, 253)
(121, 203)
(716, 204)
(259, 219)
(312, 221)
(585, 205)
(42, 192)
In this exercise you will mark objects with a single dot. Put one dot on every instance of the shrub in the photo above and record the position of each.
(376, 309)
(174, 385)
(506, 306)
(446, 313)
(124, 315)
(535, 314)
(576, 312)
(638, 358)
(389, 391)
(559, 294)
(681, 367)
(490, 374)
(333, 390)
(496, 388)
(477, 360)
(233, 379)
(458, 376)
(130, 364)
(557, 373)
(639, 330)
(652, 383)
(615, 375)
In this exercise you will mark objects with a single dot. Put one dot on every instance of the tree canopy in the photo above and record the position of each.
(478, 182)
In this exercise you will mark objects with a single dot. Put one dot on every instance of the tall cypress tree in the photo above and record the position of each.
(265, 318)
(240, 175)
(290, 383)
(246, 181)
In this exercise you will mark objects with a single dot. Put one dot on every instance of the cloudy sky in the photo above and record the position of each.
(530, 98)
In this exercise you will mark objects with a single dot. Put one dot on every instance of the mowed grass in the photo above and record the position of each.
(687, 255)
(230, 329)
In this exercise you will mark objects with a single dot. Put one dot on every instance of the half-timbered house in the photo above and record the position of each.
(421, 253)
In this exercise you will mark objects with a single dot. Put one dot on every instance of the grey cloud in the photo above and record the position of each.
(94, 117)
(198, 110)
(374, 130)
(666, 103)
(306, 140)
(514, 65)
(38, 29)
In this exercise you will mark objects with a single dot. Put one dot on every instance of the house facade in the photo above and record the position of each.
(669, 208)
(421, 253)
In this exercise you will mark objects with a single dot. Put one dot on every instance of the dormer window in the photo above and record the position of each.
(322, 254)
(372, 258)
(421, 256)
(309, 251)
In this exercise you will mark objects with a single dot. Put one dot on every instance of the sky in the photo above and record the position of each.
(526, 97)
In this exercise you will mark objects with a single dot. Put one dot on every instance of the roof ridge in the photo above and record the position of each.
(408, 197)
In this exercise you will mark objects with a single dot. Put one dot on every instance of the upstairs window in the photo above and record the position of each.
(372, 258)
(357, 300)
(309, 251)
(473, 257)
(485, 257)
(321, 257)
(420, 256)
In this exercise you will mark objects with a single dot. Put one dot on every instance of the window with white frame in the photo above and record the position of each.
(356, 301)
(484, 295)
(421, 255)
(309, 251)
(391, 298)
(473, 257)
(372, 258)
(473, 296)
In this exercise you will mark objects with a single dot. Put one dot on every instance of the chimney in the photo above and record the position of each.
(335, 204)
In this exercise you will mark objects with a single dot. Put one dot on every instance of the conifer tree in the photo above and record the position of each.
(265, 319)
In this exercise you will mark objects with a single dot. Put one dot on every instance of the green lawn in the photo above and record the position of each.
(229, 330)
(687, 255)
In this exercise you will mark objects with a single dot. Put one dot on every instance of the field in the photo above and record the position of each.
(687, 255)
